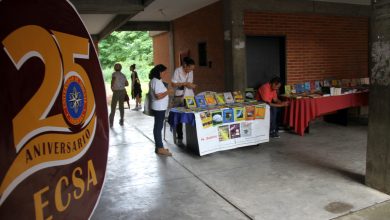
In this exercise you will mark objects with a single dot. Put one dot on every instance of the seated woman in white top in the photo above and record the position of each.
(183, 82)
(160, 98)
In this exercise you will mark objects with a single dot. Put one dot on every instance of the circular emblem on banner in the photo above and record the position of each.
(74, 100)
(53, 114)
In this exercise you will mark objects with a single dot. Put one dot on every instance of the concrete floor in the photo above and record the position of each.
(318, 176)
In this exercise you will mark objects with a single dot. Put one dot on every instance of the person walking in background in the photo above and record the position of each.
(182, 81)
(159, 95)
(118, 84)
(136, 91)
(268, 94)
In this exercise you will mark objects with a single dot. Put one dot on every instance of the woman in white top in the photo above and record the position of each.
(118, 84)
(160, 97)
(183, 82)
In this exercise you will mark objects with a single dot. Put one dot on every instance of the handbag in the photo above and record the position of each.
(148, 103)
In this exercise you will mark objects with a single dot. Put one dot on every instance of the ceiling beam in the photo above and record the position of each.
(114, 24)
(145, 26)
(109, 7)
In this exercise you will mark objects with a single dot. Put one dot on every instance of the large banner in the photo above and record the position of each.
(226, 136)
(53, 114)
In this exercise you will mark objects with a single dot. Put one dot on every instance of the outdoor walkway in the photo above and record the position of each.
(318, 176)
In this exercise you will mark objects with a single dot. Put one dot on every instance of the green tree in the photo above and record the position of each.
(126, 47)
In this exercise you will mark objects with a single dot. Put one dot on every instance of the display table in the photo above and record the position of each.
(214, 138)
(301, 111)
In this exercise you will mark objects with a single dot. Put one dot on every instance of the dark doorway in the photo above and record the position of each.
(265, 58)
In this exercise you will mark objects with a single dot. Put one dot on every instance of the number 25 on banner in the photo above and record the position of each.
(32, 124)
(43, 45)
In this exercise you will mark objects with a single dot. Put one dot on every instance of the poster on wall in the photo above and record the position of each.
(53, 115)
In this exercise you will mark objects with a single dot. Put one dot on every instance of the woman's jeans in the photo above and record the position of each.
(158, 126)
(275, 111)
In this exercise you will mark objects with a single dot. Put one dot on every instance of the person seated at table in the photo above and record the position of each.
(268, 94)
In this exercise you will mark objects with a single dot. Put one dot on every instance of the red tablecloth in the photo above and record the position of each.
(302, 111)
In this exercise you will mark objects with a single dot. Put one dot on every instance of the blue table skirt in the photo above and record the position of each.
(175, 117)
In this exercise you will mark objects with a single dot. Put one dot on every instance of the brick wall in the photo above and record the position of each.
(203, 25)
(161, 50)
(317, 46)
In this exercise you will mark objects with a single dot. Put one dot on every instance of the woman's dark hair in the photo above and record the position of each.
(156, 71)
(188, 61)
(132, 66)
(275, 80)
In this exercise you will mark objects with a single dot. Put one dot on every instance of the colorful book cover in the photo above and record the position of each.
(334, 82)
(239, 114)
(220, 98)
(365, 81)
(200, 101)
(210, 100)
(287, 89)
(354, 82)
(307, 87)
(190, 101)
(327, 83)
(317, 86)
(223, 133)
(217, 118)
(227, 115)
(237, 95)
(235, 131)
(249, 112)
(345, 82)
(260, 111)
(206, 119)
(299, 88)
(228, 97)
(249, 94)
(246, 129)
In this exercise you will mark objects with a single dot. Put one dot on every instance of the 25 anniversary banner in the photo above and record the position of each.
(53, 115)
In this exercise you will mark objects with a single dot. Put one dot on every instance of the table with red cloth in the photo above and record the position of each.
(301, 111)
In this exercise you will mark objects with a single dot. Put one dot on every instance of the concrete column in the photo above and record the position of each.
(378, 146)
(227, 29)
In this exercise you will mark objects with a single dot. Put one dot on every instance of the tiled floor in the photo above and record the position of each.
(288, 178)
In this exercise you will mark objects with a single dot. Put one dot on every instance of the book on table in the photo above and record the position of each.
(249, 112)
(190, 101)
(237, 95)
(227, 115)
(235, 131)
(249, 94)
(239, 113)
(206, 119)
(260, 111)
(200, 101)
(216, 116)
(228, 97)
(210, 99)
(220, 98)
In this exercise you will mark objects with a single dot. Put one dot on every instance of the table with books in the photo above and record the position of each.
(312, 99)
(303, 110)
(221, 121)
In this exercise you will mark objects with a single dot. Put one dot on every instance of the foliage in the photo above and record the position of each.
(126, 48)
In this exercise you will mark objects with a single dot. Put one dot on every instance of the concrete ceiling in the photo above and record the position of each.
(102, 17)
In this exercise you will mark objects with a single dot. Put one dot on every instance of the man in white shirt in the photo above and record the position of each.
(182, 81)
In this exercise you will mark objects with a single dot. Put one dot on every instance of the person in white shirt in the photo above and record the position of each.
(159, 95)
(118, 84)
(183, 83)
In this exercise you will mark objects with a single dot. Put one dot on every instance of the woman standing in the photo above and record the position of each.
(136, 91)
(160, 97)
(118, 84)
(182, 81)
